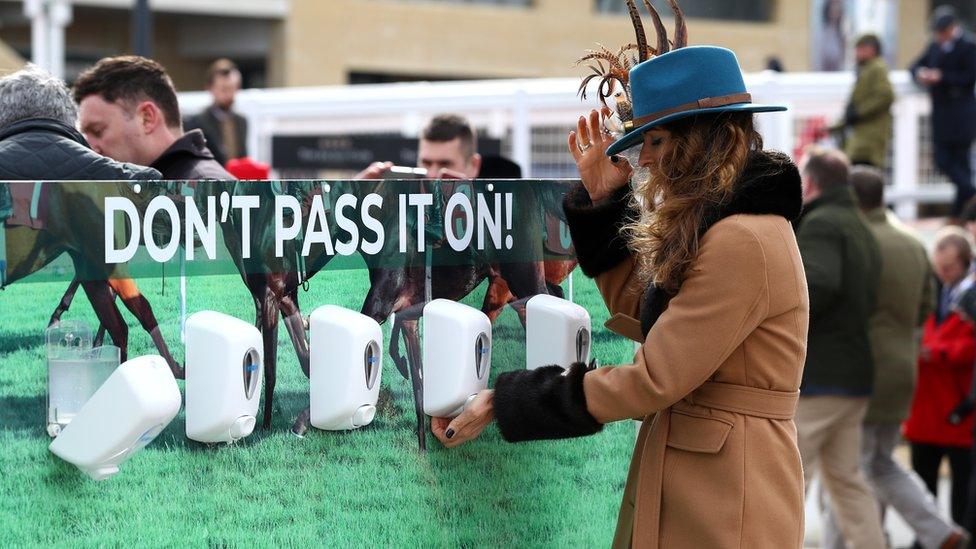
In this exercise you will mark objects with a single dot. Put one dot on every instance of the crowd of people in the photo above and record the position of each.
(869, 380)
(890, 348)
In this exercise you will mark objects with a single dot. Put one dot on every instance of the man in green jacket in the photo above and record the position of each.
(868, 113)
(905, 299)
(842, 265)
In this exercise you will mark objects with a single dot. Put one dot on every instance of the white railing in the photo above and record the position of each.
(532, 117)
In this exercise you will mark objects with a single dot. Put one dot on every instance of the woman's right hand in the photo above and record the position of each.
(588, 144)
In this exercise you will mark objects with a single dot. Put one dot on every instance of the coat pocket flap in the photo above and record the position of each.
(697, 433)
(626, 326)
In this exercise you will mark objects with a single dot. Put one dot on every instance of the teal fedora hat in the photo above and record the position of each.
(685, 82)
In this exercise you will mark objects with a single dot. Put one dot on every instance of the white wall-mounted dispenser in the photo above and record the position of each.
(557, 332)
(345, 367)
(125, 414)
(457, 356)
(224, 368)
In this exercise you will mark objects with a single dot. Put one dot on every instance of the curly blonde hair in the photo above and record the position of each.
(695, 178)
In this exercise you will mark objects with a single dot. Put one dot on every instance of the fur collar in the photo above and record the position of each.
(769, 184)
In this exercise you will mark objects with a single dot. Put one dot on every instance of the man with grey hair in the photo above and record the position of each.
(38, 139)
(31, 93)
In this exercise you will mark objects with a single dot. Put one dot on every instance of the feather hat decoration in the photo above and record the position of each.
(611, 69)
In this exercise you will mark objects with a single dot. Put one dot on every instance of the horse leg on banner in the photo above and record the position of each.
(411, 332)
(139, 306)
(402, 363)
(269, 332)
(65, 303)
(102, 300)
(496, 296)
(295, 325)
(406, 322)
(525, 280)
(302, 423)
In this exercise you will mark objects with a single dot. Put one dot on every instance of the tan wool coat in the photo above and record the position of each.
(716, 382)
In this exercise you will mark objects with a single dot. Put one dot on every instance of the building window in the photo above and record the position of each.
(734, 10)
(506, 3)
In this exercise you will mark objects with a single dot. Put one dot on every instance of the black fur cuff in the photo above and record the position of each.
(544, 403)
(595, 228)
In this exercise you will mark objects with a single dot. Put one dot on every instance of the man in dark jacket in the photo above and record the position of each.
(225, 130)
(948, 70)
(129, 112)
(843, 266)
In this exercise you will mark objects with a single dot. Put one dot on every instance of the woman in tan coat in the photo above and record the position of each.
(706, 259)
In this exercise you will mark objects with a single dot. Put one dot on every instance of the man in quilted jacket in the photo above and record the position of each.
(38, 139)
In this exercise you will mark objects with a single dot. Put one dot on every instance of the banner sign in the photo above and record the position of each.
(128, 230)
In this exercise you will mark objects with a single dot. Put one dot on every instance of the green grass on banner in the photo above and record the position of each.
(369, 487)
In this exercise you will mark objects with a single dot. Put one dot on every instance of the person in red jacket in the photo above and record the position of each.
(945, 371)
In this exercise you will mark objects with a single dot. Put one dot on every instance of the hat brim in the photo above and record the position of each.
(636, 135)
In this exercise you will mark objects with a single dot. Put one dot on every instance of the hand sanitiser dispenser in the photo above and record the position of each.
(345, 366)
(125, 414)
(556, 332)
(224, 358)
(457, 356)
(75, 371)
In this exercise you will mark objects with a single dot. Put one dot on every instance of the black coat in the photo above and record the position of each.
(46, 150)
(208, 123)
(953, 99)
(189, 158)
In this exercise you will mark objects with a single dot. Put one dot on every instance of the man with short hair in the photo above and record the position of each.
(225, 130)
(129, 112)
(448, 149)
(868, 112)
(948, 69)
(842, 265)
(905, 299)
(449, 146)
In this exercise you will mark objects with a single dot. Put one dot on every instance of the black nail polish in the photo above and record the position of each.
(614, 158)
(450, 433)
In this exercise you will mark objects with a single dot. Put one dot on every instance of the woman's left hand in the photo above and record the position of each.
(467, 426)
